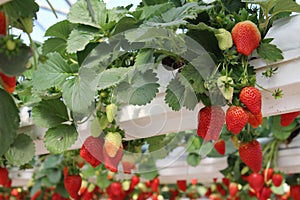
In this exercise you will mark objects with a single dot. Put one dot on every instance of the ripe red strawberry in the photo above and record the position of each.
(128, 166)
(155, 184)
(57, 196)
(181, 184)
(236, 119)
(113, 141)
(233, 189)
(255, 120)
(251, 98)
(268, 173)
(294, 192)
(2, 24)
(112, 163)
(220, 146)
(85, 154)
(8, 82)
(277, 179)
(92, 150)
(3, 176)
(287, 118)
(134, 181)
(251, 155)
(246, 37)
(210, 122)
(265, 193)
(36, 195)
(72, 184)
(256, 181)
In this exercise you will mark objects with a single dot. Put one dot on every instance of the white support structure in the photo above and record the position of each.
(157, 118)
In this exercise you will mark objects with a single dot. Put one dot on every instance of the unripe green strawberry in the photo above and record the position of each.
(246, 37)
(224, 39)
(287, 118)
(236, 119)
(11, 45)
(2, 23)
(112, 143)
(251, 155)
(225, 86)
(210, 122)
(251, 98)
(111, 111)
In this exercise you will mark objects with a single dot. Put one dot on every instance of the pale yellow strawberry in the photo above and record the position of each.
(113, 141)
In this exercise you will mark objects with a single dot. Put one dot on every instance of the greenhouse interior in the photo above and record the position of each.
(149, 99)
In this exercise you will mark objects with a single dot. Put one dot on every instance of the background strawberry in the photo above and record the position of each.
(8, 82)
(220, 146)
(295, 192)
(72, 184)
(2, 23)
(255, 120)
(181, 184)
(287, 118)
(236, 119)
(85, 154)
(112, 163)
(246, 37)
(134, 181)
(94, 146)
(251, 98)
(268, 173)
(256, 181)
(3, 176)
(233, 189)
(251, 155)
(112, 143)
(210, 122)
(277, 179)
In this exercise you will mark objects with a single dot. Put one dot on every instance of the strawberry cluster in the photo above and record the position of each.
(7, 82)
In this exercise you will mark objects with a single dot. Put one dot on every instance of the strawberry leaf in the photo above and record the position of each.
(54, 45)
(60, 30)
(281, 132)
(139, 90)
(282, 6)
(82, 13)
(21, 151)
(174, 94)
(79, 91)
(60, 138)
(80, 37)
(50, 113)
(9, 121)
(144, 60)
(147, 169)
(269, 52)
(57, 70)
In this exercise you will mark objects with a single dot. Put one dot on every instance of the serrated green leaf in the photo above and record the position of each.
(9, 121)
(193, 159)
(54, 175)
(54, 45)
(281, 132)
(155, 143)
(281, 6)
(52, 161)
(102, 180)
(144, 60)
(145, 34)
(60, 138)
(113, 76)
(21, 9)
(175, 94)
(269, 52)
(60, 30)
(79, 38)
(124, 24)
(190, 98)
(175, 16)
(147, 169)
(52, 73)
(139, 90)
(21, 151)
(79, 91)
(190, 76)
(154, 10)
(79, 13)
(50, 113)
